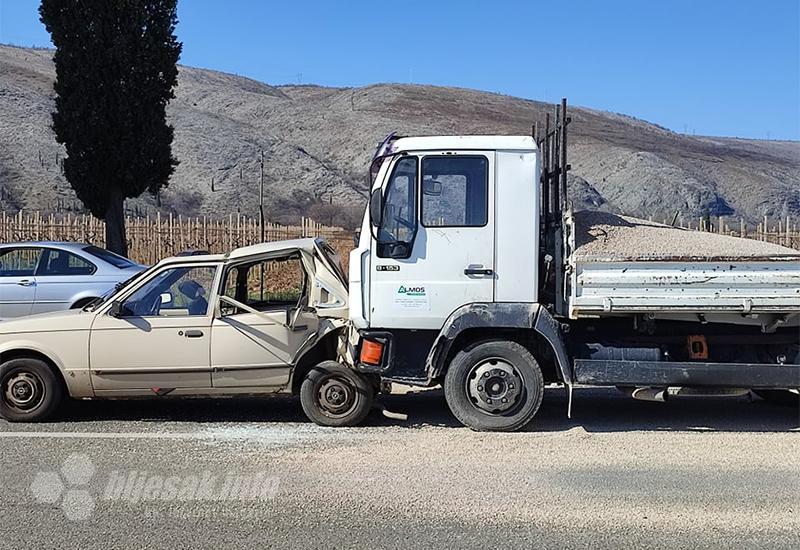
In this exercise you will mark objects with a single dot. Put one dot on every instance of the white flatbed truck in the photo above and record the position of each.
(472, 272)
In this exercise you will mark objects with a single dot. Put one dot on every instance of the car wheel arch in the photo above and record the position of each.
(26, 353)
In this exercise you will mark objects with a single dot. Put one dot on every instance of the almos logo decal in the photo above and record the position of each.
(411, 290)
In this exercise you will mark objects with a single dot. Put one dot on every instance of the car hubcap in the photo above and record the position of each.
(494, 386)
(23, 390)
(336, 397)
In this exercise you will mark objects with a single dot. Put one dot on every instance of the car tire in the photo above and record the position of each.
(784, 398)
(494, 386)
(334, 395)
(29, 390)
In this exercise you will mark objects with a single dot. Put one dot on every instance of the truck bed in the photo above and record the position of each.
(619, 264)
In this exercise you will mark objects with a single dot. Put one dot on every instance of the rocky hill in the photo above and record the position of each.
(317, 142)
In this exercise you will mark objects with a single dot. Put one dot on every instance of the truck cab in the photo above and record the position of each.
(466, 275)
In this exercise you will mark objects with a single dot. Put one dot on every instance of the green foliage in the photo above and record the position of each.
(116, 67)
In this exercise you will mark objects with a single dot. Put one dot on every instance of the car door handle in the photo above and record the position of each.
(478, 271)
(193, 333)
(26, 282)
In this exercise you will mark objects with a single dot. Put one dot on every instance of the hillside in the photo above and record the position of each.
(317, 142)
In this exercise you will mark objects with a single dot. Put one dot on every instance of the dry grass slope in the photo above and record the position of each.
(317, 142)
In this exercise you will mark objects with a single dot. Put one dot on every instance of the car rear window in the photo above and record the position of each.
(114, 259)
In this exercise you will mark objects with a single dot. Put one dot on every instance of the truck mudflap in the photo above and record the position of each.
(593, 372)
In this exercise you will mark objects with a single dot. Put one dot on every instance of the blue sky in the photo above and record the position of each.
(709, 67)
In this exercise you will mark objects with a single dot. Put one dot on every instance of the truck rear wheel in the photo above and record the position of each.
(29, 390)
(334, 395)
(494, 386)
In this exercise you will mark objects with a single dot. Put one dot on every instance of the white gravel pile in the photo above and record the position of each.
(611, 237)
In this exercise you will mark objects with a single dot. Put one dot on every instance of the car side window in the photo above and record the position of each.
(177, 291)
(61, 262)
(19, 262)
(268, 284)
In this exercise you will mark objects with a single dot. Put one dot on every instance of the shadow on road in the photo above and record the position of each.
(595, 410)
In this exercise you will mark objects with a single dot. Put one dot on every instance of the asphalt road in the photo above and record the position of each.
(254, 474)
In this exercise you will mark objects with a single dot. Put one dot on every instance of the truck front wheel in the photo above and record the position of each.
(334, 395)
(494, 386)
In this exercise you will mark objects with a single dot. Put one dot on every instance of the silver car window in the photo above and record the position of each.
(61, 262)
(19, 262)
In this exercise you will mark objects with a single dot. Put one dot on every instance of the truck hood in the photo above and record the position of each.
(71, 319)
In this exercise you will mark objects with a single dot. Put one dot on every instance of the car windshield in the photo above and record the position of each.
(94, 304)
(109, 257)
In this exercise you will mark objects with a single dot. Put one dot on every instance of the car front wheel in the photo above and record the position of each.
(334, 395)
(29, 390)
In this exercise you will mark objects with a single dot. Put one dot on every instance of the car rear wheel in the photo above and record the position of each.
(494, 386)
(29, 390)
(334, 395)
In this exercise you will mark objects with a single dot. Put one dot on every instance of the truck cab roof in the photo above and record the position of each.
(473, 143)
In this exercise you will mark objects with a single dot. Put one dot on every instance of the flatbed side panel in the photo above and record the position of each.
(592, 372)
(747, 287)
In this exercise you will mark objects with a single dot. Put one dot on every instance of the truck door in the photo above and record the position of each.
(440, 207)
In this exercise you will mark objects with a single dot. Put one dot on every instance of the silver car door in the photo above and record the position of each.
(18, 280)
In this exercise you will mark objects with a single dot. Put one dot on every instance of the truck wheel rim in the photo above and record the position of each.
(336, 397)
(494, 386)
(23, 390)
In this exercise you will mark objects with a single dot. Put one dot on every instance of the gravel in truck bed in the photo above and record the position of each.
(602, 236)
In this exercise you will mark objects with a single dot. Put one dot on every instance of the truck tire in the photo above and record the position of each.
(786, 398)
(29, 390)
(334, 395)
(514, 392)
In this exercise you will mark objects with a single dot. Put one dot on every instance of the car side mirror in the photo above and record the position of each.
(116, 309)
(376, 207)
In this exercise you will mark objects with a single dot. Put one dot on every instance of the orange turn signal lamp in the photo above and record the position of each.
(371, 352)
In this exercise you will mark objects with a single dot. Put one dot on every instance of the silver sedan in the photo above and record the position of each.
(38, 277)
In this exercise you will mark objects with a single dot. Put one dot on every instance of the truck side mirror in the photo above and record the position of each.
(376, 207)
(432, 188)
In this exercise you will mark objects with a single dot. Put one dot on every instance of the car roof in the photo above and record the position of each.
(65, 245)
(306, 244)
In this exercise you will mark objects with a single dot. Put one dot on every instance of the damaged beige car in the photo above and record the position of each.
(262, 319)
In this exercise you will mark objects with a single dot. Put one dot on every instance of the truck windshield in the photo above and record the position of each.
(399, 208)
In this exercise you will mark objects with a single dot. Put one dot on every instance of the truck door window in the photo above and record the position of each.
(398, 223)
(267, 285)
(455, 191)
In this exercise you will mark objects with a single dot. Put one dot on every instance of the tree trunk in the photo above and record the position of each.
(116, 240)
